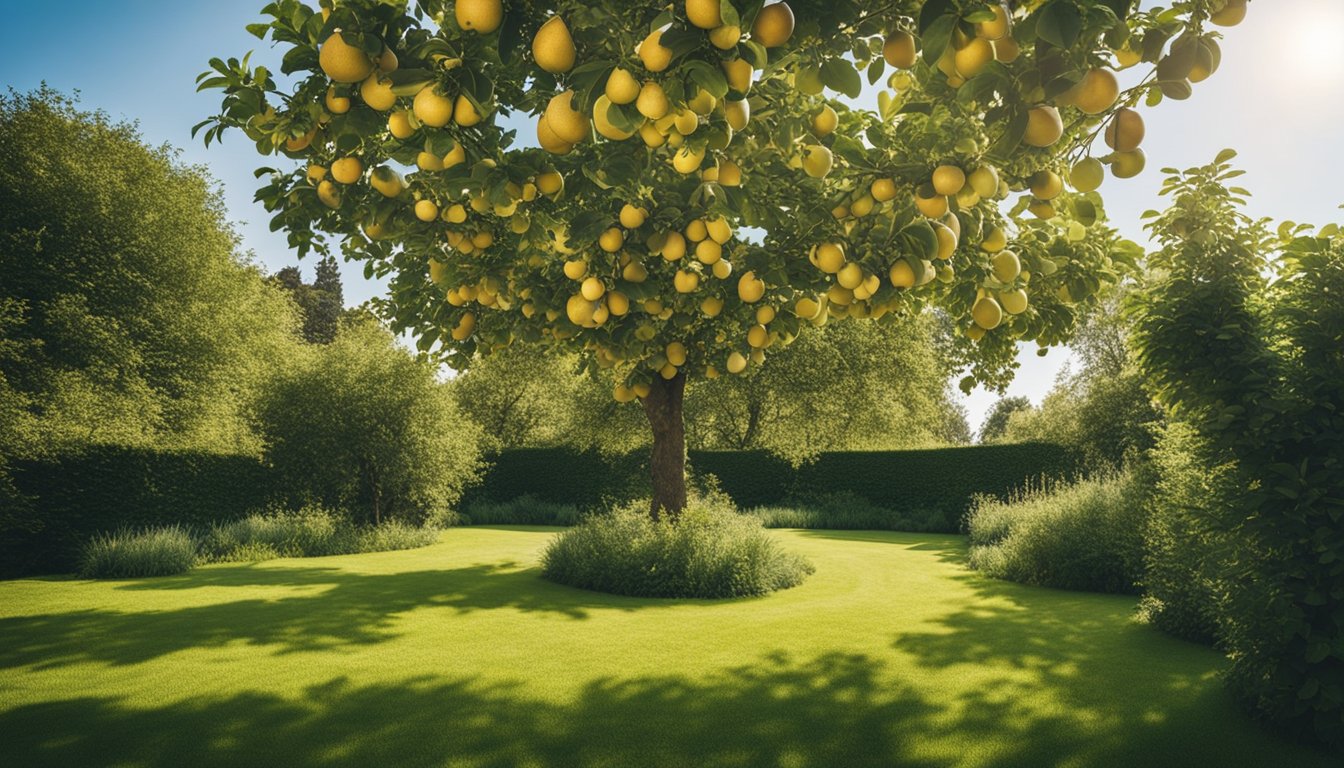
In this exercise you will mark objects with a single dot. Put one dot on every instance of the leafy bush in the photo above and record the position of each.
(524, 510)
(845, 511)
(309, 532)
(127, 554)
(1184, 587)
(1085, 536)
(711, 551)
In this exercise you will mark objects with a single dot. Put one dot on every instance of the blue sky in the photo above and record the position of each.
(1278, 99)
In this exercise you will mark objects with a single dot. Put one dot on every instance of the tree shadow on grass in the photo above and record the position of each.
(339, 608)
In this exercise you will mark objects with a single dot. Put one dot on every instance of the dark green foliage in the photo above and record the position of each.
(320, 303)
(1254, 367)
(1186, 546)
(931, 488)
(996, 423)
(846, 511)
(109, 488)
(709, 552)
(524, 510)
(308, 532)
(361, 425)
(1086, 536)
(129, 554)
(128, 315)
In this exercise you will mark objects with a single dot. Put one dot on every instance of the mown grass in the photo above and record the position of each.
(460, 654)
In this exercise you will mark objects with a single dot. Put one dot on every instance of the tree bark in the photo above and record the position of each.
(667, 463)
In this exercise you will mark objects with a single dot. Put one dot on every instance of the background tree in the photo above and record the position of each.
(129, 316)
(628, 249)
(360, 425)
(320, 303)
(996, 421)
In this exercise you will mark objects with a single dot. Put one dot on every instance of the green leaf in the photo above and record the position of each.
(840, 75)
(937, 37)
(1059, 23)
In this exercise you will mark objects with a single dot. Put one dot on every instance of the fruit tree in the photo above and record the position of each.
(698, 189)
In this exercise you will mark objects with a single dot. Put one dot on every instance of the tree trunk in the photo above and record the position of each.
(667, 464)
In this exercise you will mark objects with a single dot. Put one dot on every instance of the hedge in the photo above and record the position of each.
(940, 480)
(106, 488)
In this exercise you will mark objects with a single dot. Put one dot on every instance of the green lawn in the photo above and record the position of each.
(459, 654)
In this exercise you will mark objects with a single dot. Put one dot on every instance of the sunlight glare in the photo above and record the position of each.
(1314, 57)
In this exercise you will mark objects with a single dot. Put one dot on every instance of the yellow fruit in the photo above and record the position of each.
(1097, 92)
(336, 105)
(432, 108)
(316, 173)
(722, 269)
(387, 61)
(830, 258)
(399, 124)
(632, 217)
(618, 303)
(1231, 14)
(455, 214)
(634, 272)
(774, 25)
(674, 246)
(807, 308)
(576, 269)
(592, 289)
(697, 230)
(428, 161)
(377, 93)
(948, 180)
(300, 143)
(825, 121)
(985, 181)
(719, 230)
(685, 121)
(1014, 302)
(972, 59)
(1006, 50)
(711, 306)
(996, 29)
(579, 310)
(1006, 266)
(655, 56)
(750, 288)
(329, 194)
(933, 206)
(947, 241)
(568, 124)
(729, 174)
(343, 62)
(685, 282)
(456, 156)
(465, 327)
(817, 159)
(347, 170)
(739, 74)
(482, 240)
(652, 102)
(1087, 175)
(550, 182)
(622, 87)
(687, 160)
(387, 181)
(602, 121)
(987, 313)
(1127, 165)
(902, 275)
(995, 241)
(899, 50)
(736, 362)
(553, 47)
(883, 190)
(482, 16)
(726, 37)
(1126, 130)
(704, 13)
(1046, 185)
(738, 113)
(850, 276)
(611, 240)
(708, 252)
(465, 113)
(758, 336)
(426, 211)
(1044, 126)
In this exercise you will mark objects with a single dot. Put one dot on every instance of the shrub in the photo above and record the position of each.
(846, 511)
(125, 554)
(524, 510)
(1185, 544)
(308, 532)
(711, 551)
(1085, 536)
